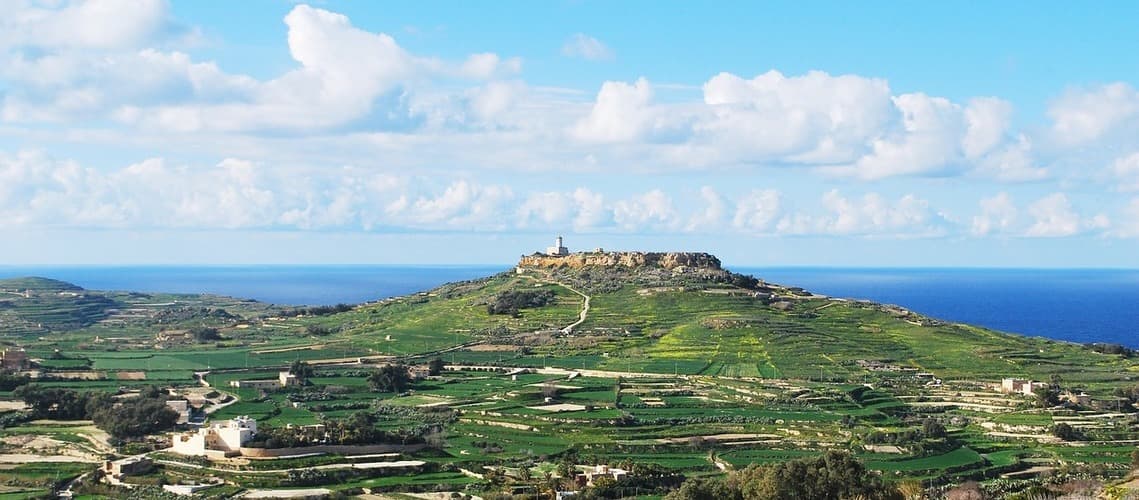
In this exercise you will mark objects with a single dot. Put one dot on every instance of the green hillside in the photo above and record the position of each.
(698, 325)
(660, 360)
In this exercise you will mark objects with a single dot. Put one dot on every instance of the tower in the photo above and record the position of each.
(558, 249)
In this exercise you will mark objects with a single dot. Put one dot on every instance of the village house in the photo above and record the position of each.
(219, 440)
(591, 474)
(1021, 386)
(419, 372)
(1080, 399)
(14, 360)
(130, 466)
(284, 379)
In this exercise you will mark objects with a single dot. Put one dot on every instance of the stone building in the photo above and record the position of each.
(218, 440)
(558, 249)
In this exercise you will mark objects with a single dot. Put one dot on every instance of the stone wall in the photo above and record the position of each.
(331, 449)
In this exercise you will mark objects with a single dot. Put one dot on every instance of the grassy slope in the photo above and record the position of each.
(823, 339)
(630, 329)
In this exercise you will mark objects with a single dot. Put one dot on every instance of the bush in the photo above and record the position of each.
(510, 302)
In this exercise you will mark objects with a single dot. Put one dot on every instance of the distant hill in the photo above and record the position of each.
(37, 284)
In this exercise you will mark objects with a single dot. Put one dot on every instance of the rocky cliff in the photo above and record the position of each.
(632, 260)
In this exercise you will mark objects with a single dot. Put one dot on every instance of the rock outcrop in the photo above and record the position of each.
(631, 260)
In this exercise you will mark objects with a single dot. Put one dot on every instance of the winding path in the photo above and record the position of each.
(581, 317)
(584, 310)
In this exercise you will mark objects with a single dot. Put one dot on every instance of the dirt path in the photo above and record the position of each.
(581, 317)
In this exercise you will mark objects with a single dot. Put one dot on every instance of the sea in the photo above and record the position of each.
(1077, 305)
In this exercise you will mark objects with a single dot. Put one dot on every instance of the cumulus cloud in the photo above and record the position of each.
(844, 125)
(711, 216)
(1125, 170)
(1082, 116)
(872, 214)
(84, 24)
(621, 113)
(1053, 216)
(814, 118)
(581, 209)
(653, 209)
(583, 46)
(350, 79)
(758, 211)
(998, 215)
(342, 73)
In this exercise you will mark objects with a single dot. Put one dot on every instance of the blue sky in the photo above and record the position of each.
(807, 133)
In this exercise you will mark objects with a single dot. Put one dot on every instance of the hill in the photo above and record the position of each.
(683, 313)
(31, 307)
(36, 284)
(664, 360)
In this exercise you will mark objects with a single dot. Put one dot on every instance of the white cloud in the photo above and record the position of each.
(651, 210)
(583, 46)
(998, 216)
(581, 209)
(711, 216)
(758, 211)
(1053, 216)
(365, 83)
(814, 118)
(621, 113)
(987, 121)
(83, 24)
(872, 215)
(342, 73)
(1082, 116)
(1126, 171)
(1012, 162)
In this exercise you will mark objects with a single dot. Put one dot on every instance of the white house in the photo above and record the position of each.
(218, 440)
(1021, 386)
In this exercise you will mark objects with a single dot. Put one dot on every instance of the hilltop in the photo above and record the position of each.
(631, 260)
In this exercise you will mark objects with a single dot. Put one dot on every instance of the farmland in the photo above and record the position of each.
(696, 372)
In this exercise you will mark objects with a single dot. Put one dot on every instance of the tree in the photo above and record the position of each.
(205, 334)
(390, 378)
(833, 475)
(436, 366)
(1046, 397)
(302, 370)
(933, 429)
(549, 390)
(1135, 459)
(1066, 432)
(703, 489)
(135, 418)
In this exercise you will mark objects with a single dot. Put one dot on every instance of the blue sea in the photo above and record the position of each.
(1074, 305)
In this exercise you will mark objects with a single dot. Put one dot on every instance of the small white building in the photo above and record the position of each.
(218, 440)
(288, 379)
(591, 474)
(1021, 386)
(558, 249)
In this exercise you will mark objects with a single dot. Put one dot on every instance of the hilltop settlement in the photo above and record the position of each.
(595, 374)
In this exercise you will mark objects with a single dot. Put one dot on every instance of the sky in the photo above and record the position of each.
(771, 134)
